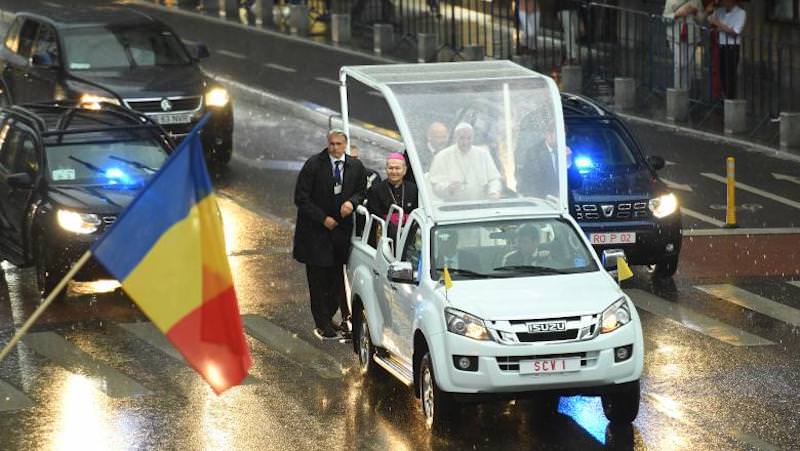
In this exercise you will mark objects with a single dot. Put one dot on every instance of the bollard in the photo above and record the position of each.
(790, 130)
(624, 92)
(340, 28)
(730, 215)
(677, 104)
(298, 19)
(472, 52)
(735, 116)
(572, 79)
(426, 47)
(383, 38)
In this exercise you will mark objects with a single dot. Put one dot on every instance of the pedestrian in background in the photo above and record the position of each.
(684, 19)
(729, 19)
(529, 17)
(329, 187)
(567, 12)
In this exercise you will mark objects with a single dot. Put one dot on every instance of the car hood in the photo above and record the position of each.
(92, 199)
(639, 183)
(149, 82)
(535, 297)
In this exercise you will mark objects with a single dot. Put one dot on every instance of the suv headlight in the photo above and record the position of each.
(461, 323)
(92, 101)
(217, 97)
(83, 223)
(615, 316)
(663, 206)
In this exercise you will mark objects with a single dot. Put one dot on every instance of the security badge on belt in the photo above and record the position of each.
(337, 189)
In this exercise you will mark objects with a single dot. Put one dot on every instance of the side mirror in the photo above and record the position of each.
(401, 272)
(656, 162)
(43, 61)
(20, 180)
(201, 51)
(610, 258)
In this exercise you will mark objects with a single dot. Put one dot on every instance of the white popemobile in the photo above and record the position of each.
(531, 311)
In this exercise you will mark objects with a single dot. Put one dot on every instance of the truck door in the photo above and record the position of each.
(403, 303)
(16, 73)
(17, 155)
(385, 292)
(44, 77)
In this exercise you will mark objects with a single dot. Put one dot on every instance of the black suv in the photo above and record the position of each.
(118, 55)
(621, 203)
(66, 173)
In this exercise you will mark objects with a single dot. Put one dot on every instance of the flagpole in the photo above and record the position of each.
(50, 298)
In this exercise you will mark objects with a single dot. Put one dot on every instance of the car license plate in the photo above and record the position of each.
(613, 238)
(547, 366)
(168, 119)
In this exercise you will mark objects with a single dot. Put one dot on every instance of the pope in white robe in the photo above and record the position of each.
(464, 172)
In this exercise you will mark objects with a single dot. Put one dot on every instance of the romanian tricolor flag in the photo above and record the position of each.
(168, 252)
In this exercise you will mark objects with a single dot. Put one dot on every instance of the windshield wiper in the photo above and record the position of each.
(87, 164)
(531, 269)
(466, 272)
(133, 163)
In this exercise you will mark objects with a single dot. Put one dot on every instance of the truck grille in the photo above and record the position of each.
(605, 211)
(521, 331)
(154, 105)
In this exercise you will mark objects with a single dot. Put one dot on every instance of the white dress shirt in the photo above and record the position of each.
(735, 18)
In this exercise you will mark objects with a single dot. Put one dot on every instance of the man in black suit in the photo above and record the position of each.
(330, 185)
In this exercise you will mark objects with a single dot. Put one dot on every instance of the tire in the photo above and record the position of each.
(437, 406)
(364, 347)
(665, 268)
(46, 277)
(622, 404)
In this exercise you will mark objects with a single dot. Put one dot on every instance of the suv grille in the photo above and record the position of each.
(523, 331)
(604, 211)
(154, 105)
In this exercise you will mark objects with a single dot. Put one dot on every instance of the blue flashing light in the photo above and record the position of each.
(117, 175)
(588, 413)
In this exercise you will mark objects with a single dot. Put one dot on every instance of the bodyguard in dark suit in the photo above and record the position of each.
(330, 185)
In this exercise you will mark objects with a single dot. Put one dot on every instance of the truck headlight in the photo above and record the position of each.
(467, 325)
(83, 223)
(217, 97)
(663, 206)
(615, 316)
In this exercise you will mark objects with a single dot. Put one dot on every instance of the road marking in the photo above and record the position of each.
(744, 231)
(12, 399)
(787, 178)
(232, 54)
(754, 302)
(669, 163)
(327, 80)
(694, 321)
(760, 192)
(149, 333)
(280, 67)
(675, 185)
(292, 347)
(702, 217)
(53, 4)
(795, 283)
(102, 376)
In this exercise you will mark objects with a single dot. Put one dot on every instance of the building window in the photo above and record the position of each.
(784, 10)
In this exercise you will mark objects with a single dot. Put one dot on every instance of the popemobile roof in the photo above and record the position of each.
(481, 136)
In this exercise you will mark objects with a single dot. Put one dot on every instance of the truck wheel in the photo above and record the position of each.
(622, 404)
(365, 348)
(665, 268)
(46, 278)
(437, 405)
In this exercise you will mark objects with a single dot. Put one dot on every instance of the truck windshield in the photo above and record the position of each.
(600, 148)
(500, 249)
(104, 48)
(122, 164)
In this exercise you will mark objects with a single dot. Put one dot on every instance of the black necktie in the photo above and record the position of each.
(337, 173)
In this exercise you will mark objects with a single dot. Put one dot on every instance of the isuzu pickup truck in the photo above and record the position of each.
(485, 292)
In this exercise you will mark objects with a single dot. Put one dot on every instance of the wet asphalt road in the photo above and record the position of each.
(721, 367)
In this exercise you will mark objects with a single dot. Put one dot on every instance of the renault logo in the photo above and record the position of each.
(166, 105)
(608, 210)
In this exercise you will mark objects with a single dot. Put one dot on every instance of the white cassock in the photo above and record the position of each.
(474, 169)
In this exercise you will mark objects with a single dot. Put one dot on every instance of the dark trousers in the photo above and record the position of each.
(326, 287)
(729, 63)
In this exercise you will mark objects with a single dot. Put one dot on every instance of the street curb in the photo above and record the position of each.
(338, 48)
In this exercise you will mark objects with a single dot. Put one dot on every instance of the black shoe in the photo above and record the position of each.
(326, 333)
(344, 327)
